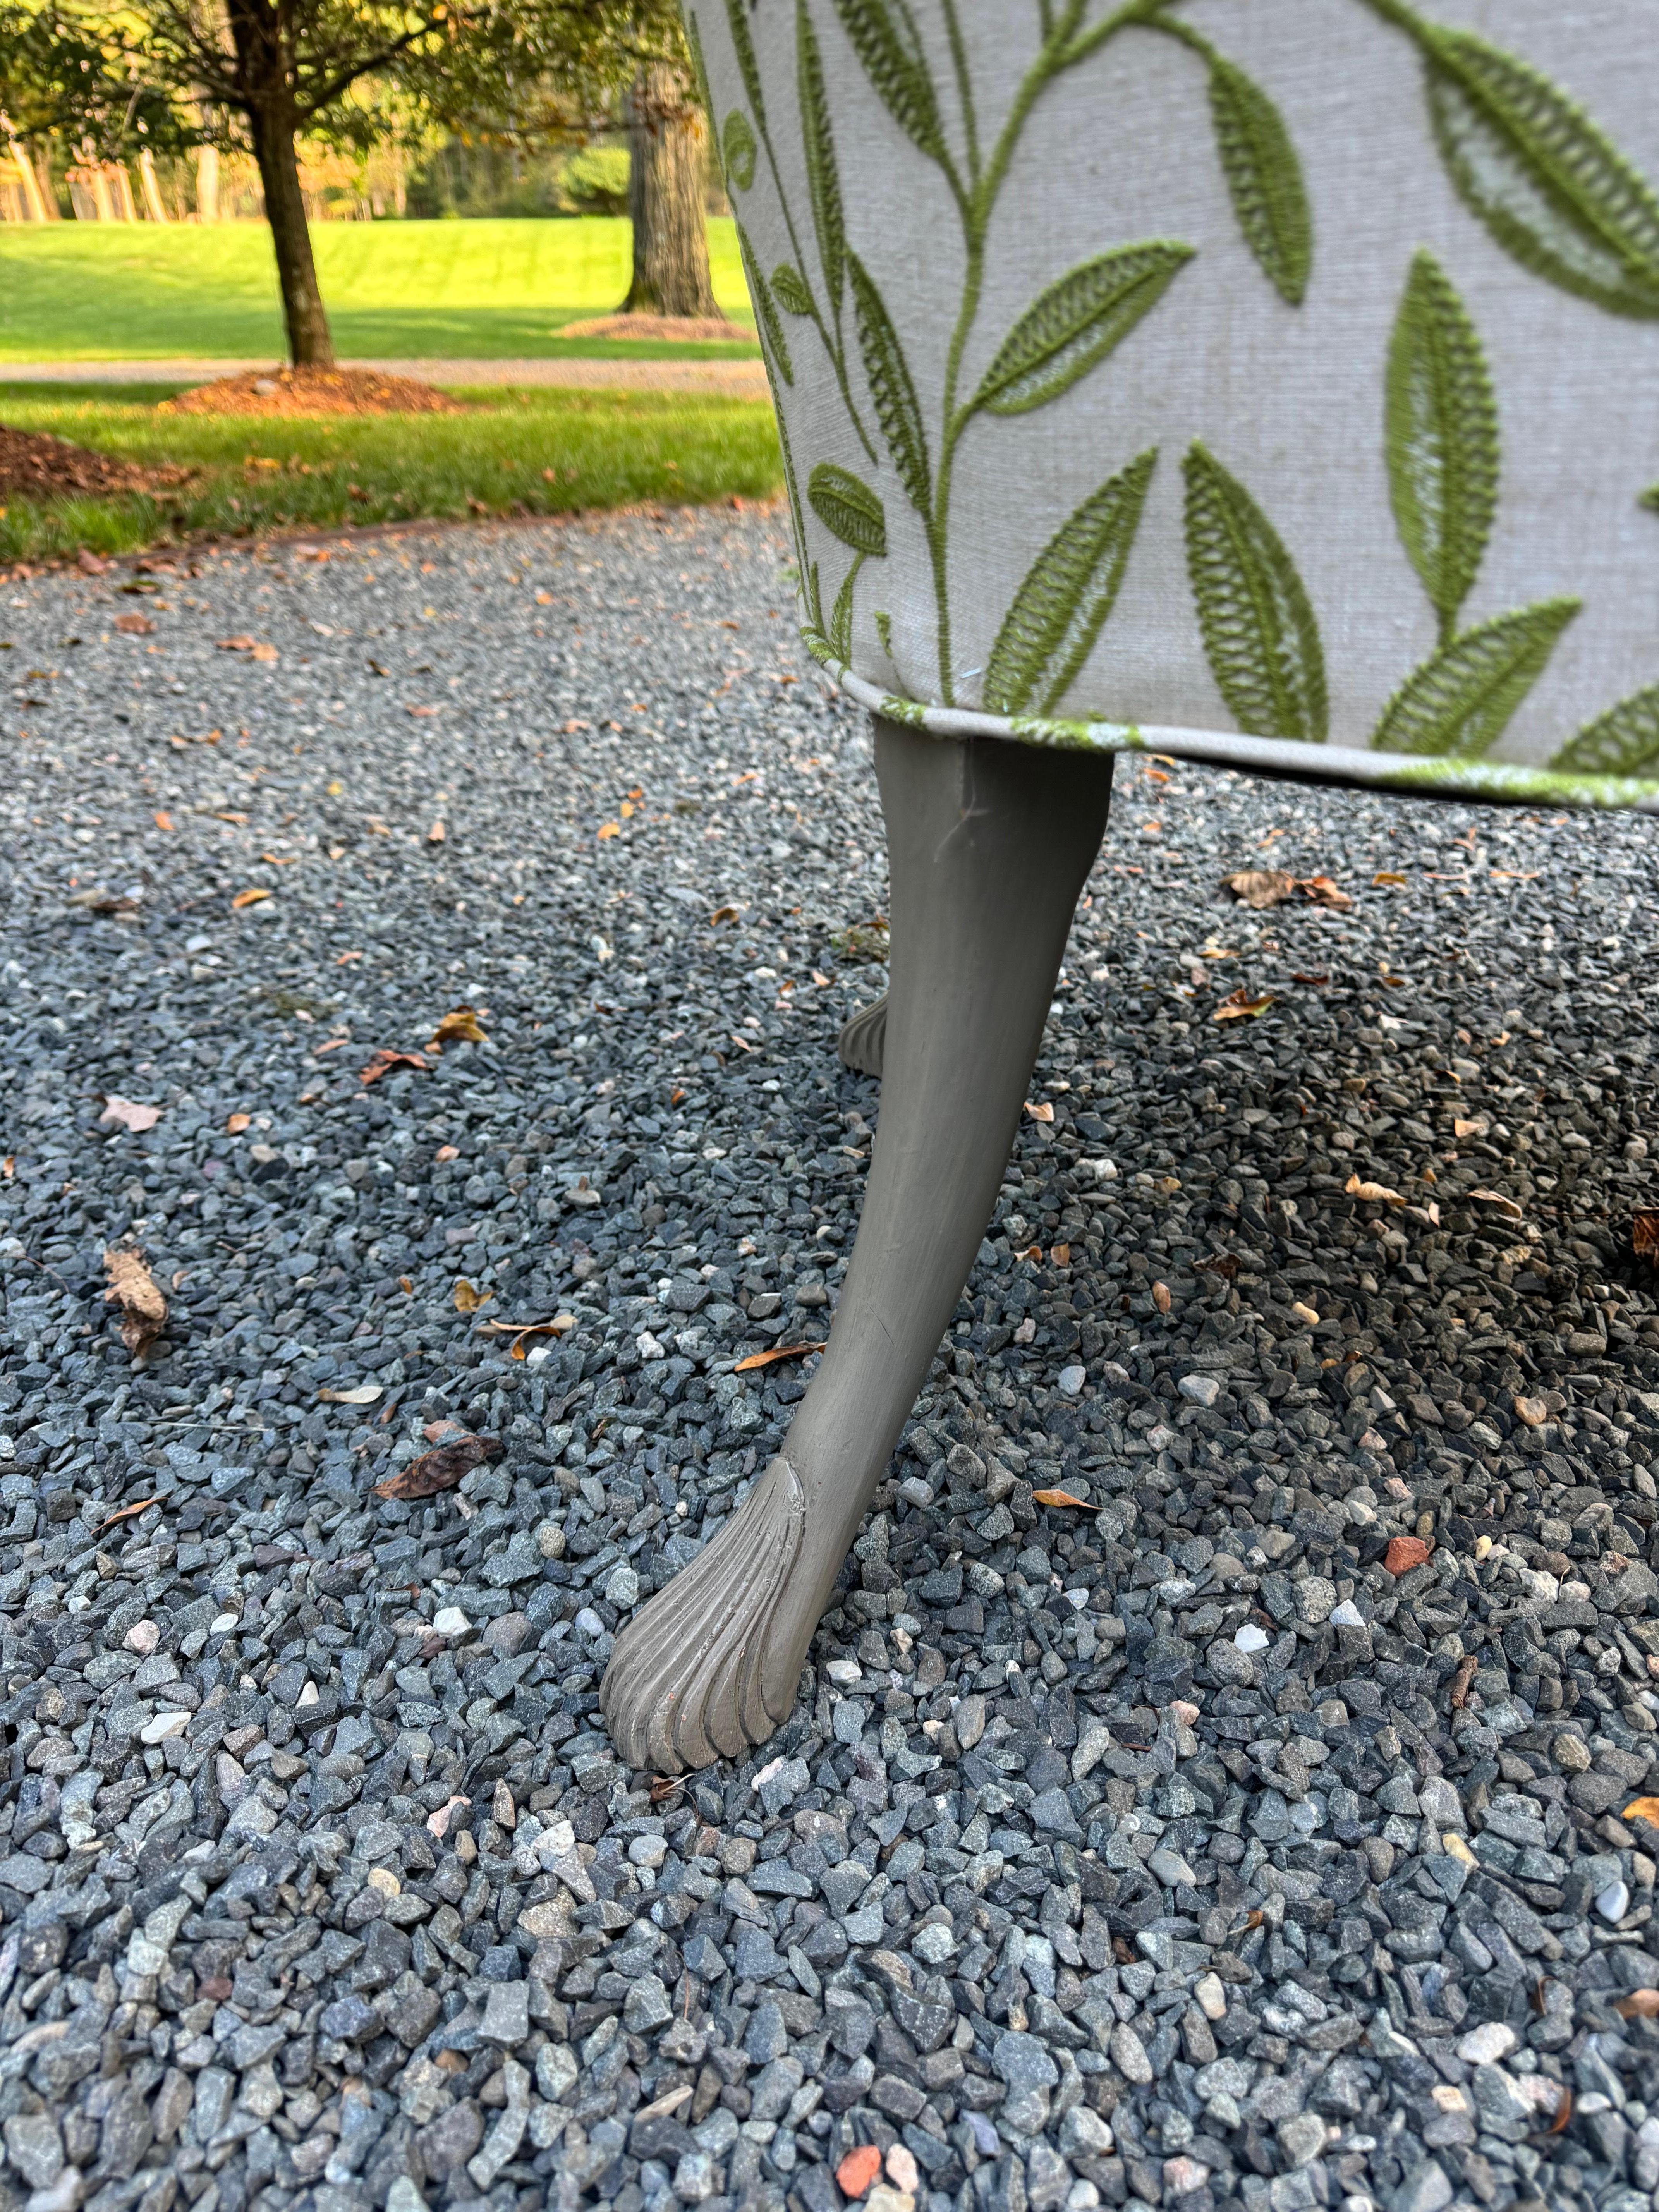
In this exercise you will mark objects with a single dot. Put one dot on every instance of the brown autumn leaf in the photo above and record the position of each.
(264, 653)
(724, 914)
(1243, 1005)
(1260, 887)
(1388, 875)
(255, 894)
(236, 1123)
(382, 1061)
(241, 644)
(129, 1113)
(137, 1293)
(1640, 2004)
(769, 1358)
(459, 1026)
(1642, 1808)
(1043, 1111)
(1644, 1234)
(1161, 1296)
(1063, 1498)
(1061, 1255)
(162, 819)
(663, 1787)
(1323, 892)
(1477, 1127)
(1563, 2120)
(1318, 981)
(1467, 1668)
(363, 1393)
(440, 1468)
(1374, 1193)
(134, 625)
(609, 829)
(468, 1296)
(128, 1512)
(437, 833)
(1506, 1207)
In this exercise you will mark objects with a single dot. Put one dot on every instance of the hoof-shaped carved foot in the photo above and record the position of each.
(863, 1039)
(705, 1672)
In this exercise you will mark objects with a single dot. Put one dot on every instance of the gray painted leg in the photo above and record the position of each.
(988, 845)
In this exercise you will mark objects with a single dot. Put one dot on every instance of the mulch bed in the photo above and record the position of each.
(672, 330)
(278, 392)
(33, 465)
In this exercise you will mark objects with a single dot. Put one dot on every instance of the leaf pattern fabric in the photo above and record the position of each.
(1384, 273)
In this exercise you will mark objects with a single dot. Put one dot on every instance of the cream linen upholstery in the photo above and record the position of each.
(1273, 381)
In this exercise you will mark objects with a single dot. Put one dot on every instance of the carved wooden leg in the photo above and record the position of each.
(988, 846)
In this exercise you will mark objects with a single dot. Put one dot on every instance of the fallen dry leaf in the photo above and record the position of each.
(1043, 1111)
(1405, 1552)
(129, 1113)
(1375, 1194)
(1260, 887)
(1506, 1207)
(459, 1026)
(1161, 1296)
(1640, 2004)
(1644, 1234)
(1563, 2120)
(127, 1512)
(1063, 1498)
(609, 829)
(440, 1468)
(255, 894)
(1388, 875)
(137, 1293)
(384, 1060)
(436, 834)
(363, 1393)
(1241, 1005)
(264, 652)
(770, 1358)
(1316, 980)
(468, 1297)
(725, 914)
(1061, 1255)
(1468, 1666)
(236, 645)
(1476, 1128)
(163, 819)
(1642, 1808)
(236, 1123)
(134, 625)
(1323, 892)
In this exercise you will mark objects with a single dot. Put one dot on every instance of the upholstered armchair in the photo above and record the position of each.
(1273, 383)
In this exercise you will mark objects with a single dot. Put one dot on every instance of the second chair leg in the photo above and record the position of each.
(989, 844)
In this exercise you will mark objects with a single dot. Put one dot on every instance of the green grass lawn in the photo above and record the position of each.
(544, 452)
(87, 291)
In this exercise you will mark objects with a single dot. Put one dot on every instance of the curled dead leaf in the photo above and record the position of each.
(127, 1512)
(1323, 892)
(1388, 875)
(1061, 1255)
(459, 1026)
(1242, 1005)
(1260, 887)
(769, 1358)
(382, 1061)
(364, 1394)
(255, 894)
(162, 819)
(1043, 1111)
(129, 1113)
(1644, 1234)
(1374, 1193)
(725, 914)
(1476, 1128)
(1563, 2120)
(1506, 1207)
(609, 829)
(137, 1293)
(1640, 2004)
(134, 625)
(468, 1296)
(663, 1787)
(440, 1468)
(1063, 1498)
(236, 1123)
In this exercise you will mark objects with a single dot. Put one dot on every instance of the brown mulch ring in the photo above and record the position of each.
(33, 465)
(313, 392)
(671, 329)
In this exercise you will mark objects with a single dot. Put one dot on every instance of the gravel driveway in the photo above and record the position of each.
(1190, 1846)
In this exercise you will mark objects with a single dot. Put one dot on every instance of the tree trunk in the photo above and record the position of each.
(155, 208)
(34, 197)
(310, 345)
(665, 144)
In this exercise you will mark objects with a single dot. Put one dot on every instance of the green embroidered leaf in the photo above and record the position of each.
(737, 143)
(822, 184)
(848, 509)
(766, 312)
(1050, 630)
(898, 409)
(885, 630)
(841, 615)
(1260, 635)
(743, 47)
(1651, 498)
(1078, 321)
(1619, 742)
(1442, 432)
(1264, 178)
(886, 43)
(792, 293)
(1553, 190)
(1460, 700)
